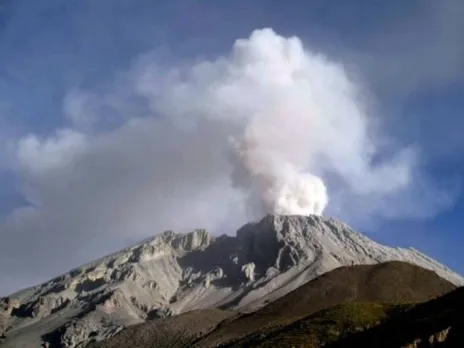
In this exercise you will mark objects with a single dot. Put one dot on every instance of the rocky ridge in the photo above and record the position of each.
(173, 273)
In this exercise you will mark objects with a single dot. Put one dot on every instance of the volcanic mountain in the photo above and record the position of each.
(176, 273)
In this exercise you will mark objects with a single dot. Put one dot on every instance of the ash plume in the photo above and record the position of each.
(274, 184)
(272, 125)
(290, 116)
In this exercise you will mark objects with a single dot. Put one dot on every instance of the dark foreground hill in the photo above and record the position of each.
(177, 331)
(391, 282)
(373, 292)
(326, 326)
(436, 323)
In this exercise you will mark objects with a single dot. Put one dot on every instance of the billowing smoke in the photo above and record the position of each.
(290, 114)
(271, 126)
(193, 145)
(280, 186)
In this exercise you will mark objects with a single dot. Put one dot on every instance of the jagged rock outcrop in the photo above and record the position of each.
(7, 305)
(173, 273)
(433, 340)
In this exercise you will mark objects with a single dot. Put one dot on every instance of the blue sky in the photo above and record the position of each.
(408, 55)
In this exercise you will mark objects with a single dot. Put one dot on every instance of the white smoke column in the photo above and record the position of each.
(289, 115)
(282, 188)
(269, 151)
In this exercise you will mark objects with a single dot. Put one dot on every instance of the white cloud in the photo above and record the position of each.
(296, 113)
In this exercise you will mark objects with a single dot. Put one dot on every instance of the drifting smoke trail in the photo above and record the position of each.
(192, 145)
(291, 115)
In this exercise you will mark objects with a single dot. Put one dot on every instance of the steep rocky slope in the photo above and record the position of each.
(172, 273)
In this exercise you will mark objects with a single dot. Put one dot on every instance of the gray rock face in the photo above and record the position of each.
(173, 273)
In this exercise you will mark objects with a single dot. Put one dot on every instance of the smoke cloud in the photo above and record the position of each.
(273, 182)
(271, 127)
(292, 115)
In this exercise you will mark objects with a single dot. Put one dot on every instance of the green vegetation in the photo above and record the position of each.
(435, 323)
(329, 325)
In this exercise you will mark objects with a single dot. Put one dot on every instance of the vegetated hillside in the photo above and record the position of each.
(436, 323)
(391, 283)
(326, 326)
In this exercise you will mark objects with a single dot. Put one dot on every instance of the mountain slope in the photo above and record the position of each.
(291, 320)
(436, 323)
(326, 326)
(172, 332)
(173, 273)
(391, 283)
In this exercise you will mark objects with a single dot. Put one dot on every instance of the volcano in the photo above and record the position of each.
(171, 274)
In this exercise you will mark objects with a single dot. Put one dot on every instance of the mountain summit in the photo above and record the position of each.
(174, 273)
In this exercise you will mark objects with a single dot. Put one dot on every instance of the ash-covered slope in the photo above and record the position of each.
(171, 274)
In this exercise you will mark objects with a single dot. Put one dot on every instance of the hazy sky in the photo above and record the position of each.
(111, 129)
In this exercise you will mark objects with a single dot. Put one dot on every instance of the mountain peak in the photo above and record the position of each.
(290, 240)
(195, 240)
